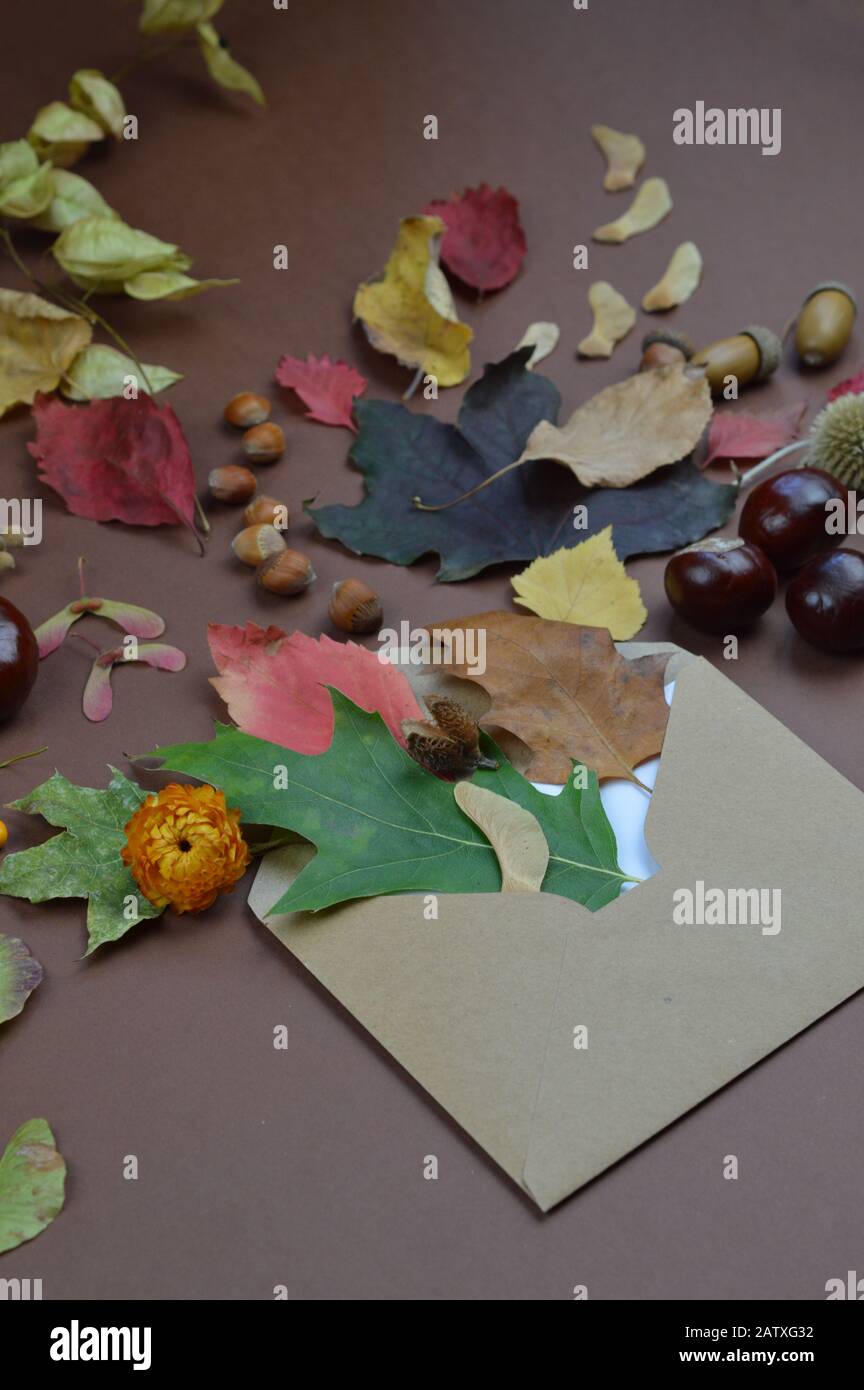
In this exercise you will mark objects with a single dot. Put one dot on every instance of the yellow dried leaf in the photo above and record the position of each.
(514, 834)
(650, 206)
(542, 338)
(38, 342)
(679, 281)
(627, 430)
(587, 585)
(613, 319)
(409, 312)
(625, 155)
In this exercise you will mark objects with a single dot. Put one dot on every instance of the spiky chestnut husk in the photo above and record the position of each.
(837, 440)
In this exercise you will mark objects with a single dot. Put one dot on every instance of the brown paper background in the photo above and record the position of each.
(304, 1167)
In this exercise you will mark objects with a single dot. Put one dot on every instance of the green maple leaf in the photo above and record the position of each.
(523, 515)
(382, 824)
(83, 862)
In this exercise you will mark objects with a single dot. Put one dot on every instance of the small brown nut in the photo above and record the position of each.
(267, 509)
(232, 483)
(247, 409)
(825, 324)
(264, 443)
(289, 572)
(354, 607)
(257, 543)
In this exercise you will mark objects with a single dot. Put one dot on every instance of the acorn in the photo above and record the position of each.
(255, 544)
(232, 483)
(264, 443)
(247, 409)
(664, 348)
(289, 572)
(354, 607)
(753, 355)
(825, 324)
(268, 510)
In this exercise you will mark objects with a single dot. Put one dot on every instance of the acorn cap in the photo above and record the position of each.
(770, 350)
(832, 285)
(668, 335)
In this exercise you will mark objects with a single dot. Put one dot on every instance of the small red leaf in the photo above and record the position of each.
(275, 686)
(852, 386)
(328, 388)
(742, 435)
(484, 243)
(116, 460)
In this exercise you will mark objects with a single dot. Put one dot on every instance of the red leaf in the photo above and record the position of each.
(742, 435)
(484, 243)
(852, 386)
(116, 460)
(275, 685)
(327, 388)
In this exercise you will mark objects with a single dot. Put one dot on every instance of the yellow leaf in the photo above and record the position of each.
(514, 834)
(91, 92)
(223, 68)
(38, 341)
(587, 585)
(409, 311)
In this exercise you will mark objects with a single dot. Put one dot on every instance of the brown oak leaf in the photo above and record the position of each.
(566, 692)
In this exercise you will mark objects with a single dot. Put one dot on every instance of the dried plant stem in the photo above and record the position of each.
(19, 757)
(759, 469)
(442, 506)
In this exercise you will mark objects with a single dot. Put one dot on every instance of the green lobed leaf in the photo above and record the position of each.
(32, 1182)
(382, 824)
(83, 862)
(20, 973)
(525, 514)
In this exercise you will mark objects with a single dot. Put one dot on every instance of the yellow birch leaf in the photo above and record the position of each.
(587, 585)
(409, 311)
(38, 341)
(514, 834)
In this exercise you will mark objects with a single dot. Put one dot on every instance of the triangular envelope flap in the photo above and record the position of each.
(462, 1002)
(673, 1012)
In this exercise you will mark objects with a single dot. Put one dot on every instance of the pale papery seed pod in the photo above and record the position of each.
(255, 544)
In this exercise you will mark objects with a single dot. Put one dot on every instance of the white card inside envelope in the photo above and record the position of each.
(481, 1005)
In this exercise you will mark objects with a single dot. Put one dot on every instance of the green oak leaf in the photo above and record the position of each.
(32, 1181)
(382, 824)
(525, 514)
(20, 973)
(83, 862)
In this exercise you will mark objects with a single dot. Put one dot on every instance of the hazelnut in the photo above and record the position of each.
(264, 443)
(267, 509)
(247, 409)
(354, 607)
(257, 543)
(233, 483)
(289, 572)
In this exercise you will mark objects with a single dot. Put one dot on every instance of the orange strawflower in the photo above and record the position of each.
(184, 848)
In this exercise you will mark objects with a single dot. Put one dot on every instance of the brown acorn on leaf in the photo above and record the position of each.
(449, 743)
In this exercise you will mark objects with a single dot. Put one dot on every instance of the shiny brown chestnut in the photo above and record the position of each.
(721, 585)
(786, 516)
(19, 659)
(825, 601)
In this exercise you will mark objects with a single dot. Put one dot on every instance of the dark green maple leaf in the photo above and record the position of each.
(527, 513)
(83, 862)
(382, 824)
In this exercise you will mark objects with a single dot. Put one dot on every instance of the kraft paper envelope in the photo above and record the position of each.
(481, 1005)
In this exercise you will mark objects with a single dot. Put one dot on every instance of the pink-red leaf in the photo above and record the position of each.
(329, 389)
(484, 243)
(740, 434)
(116, 460)
(275, 685)
(852, 386)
